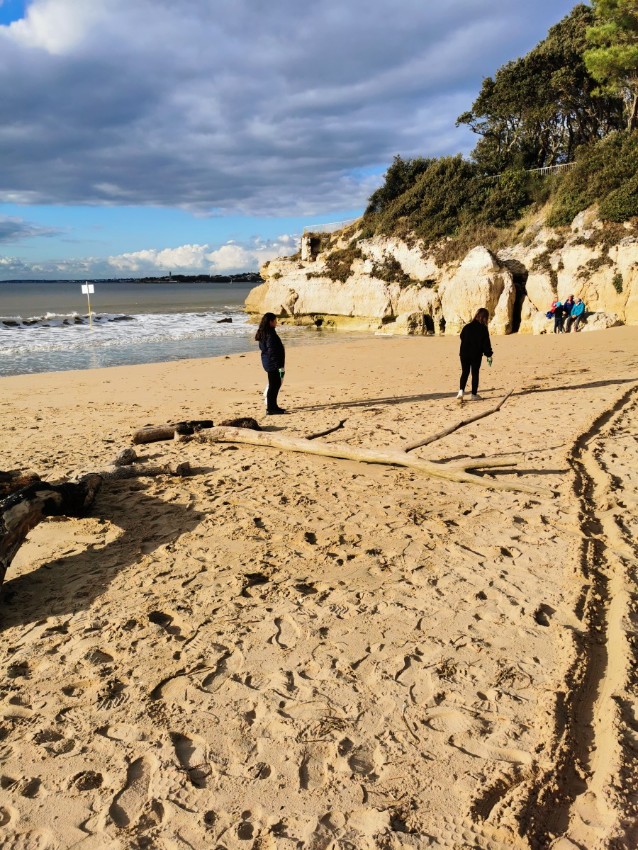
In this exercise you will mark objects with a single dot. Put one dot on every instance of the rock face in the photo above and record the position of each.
(396, 287)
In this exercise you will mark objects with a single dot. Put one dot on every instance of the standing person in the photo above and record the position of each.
(559, 314)
(273, 359)
(475, 342)
(568, 304)
(577, 314)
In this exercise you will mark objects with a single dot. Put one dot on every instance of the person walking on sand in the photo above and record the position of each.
(273, 359)
(475, 342)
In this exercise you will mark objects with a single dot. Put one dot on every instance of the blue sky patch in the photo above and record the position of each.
(11, 10)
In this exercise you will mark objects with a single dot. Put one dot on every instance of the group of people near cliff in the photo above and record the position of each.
(475, 344)
(568, 314)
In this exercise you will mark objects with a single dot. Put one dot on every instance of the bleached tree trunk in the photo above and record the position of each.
(458, 471)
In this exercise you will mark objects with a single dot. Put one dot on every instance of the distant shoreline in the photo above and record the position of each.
(244, 277)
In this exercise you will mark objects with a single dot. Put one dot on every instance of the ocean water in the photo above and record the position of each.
(44, 326)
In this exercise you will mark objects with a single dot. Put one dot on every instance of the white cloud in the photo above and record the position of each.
(227, 259)
(58, 26)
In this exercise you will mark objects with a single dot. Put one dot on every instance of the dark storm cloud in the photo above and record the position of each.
(242, 106)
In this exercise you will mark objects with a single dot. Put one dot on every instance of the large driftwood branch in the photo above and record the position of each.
(433, 437)
(451, 472)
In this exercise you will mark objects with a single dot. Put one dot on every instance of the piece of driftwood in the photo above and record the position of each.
(140, 470)
(155, 433)
(22, 511)
(242, 422)
(457, 471)
(15, 479)
(440, 434)
(326, 432)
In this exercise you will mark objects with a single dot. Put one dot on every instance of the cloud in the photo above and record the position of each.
(230, 258)
(16, 229)
(241, 107)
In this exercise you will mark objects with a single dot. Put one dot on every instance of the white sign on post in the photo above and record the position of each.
(88, 289)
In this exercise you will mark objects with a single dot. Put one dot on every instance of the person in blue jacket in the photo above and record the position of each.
(273, 359)
(576, 316)
(475, 342)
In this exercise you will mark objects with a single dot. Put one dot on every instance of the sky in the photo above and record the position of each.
(142, 137)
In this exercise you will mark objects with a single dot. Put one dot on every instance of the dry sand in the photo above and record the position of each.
(288, 651)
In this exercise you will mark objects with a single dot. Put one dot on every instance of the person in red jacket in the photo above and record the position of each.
(475, 342)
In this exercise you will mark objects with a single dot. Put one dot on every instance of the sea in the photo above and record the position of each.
(45, 325)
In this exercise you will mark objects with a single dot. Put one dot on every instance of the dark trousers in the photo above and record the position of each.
(274, 385)
(475, 367)
(558, 324)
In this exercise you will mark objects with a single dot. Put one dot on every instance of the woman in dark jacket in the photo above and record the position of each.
(475, 342)
(273, 359)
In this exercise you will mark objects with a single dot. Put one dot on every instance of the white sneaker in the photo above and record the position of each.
(460, 394)
(476, 397)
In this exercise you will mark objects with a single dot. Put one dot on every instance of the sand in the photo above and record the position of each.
(289, 651)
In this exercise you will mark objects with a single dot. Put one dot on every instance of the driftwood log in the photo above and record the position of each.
(155, 433)
(455, 471)
(15, 479)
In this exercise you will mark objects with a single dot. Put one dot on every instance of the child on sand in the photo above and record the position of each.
(475, 342)
(273, 359)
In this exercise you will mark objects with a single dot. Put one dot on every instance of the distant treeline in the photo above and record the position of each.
(244, 277)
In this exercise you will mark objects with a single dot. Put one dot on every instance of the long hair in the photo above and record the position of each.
(482, 316)
(264, 326)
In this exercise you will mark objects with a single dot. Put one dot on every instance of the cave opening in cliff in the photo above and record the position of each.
(519, 276)
(520, 282)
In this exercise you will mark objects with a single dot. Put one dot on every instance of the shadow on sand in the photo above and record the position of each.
(66, 585)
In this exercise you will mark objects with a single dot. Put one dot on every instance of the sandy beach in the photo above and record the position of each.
(289, 651)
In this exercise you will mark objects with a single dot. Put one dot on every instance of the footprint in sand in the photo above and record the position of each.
(417, 679)
(480, 749)
(450, 721)
(287, 633)
(37, 839)
(363, 762)
(313, 769)
(129, 804)
(191, 755)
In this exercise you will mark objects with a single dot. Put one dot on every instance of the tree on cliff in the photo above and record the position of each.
(399, 177)
(613, 58)
(537, 110)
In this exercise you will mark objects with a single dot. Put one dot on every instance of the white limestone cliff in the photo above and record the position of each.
(399, 287)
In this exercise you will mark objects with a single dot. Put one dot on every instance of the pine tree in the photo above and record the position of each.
(613, 57)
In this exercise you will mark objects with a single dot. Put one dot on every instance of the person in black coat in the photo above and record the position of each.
(475, 342)
(273, 359)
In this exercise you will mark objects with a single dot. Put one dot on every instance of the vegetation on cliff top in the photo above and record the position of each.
(574, 97)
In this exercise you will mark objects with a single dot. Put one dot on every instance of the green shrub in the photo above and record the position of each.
(605, 173)
(338, 264)
(621, 204)
(618, 282)
(391, 271)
